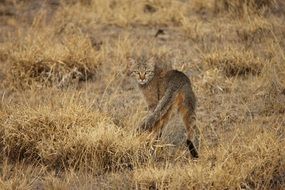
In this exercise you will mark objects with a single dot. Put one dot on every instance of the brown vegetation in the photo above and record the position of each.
(68, 110)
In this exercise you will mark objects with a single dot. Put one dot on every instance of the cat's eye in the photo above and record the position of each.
(148, 72)
(136, 72)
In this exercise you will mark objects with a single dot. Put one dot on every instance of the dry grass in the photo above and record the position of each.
(47, 60)
(244, 6)
(68, 110)
(235, 62)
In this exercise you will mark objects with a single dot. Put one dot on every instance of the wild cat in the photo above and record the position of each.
(164, 91)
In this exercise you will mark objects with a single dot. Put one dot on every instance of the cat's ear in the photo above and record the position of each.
(131, 61)
(152, 61)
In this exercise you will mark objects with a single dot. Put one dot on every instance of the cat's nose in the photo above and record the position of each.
(142, 76)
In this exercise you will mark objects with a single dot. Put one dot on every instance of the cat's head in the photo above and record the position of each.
(142, 69)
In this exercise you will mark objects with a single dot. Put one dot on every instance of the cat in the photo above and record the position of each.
(165, 90)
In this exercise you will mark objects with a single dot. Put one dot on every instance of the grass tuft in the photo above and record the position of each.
(53, 137)
(43, 60)
(235, 63)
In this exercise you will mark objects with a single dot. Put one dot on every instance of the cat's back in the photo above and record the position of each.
(175, 77)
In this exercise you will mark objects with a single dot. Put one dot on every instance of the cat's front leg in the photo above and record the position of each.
(147, 124)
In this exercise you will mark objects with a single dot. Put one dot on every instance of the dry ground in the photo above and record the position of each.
(68, 111)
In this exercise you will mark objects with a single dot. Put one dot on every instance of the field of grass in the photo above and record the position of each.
(68, 109)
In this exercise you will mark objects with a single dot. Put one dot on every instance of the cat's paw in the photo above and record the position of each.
(147, 124)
